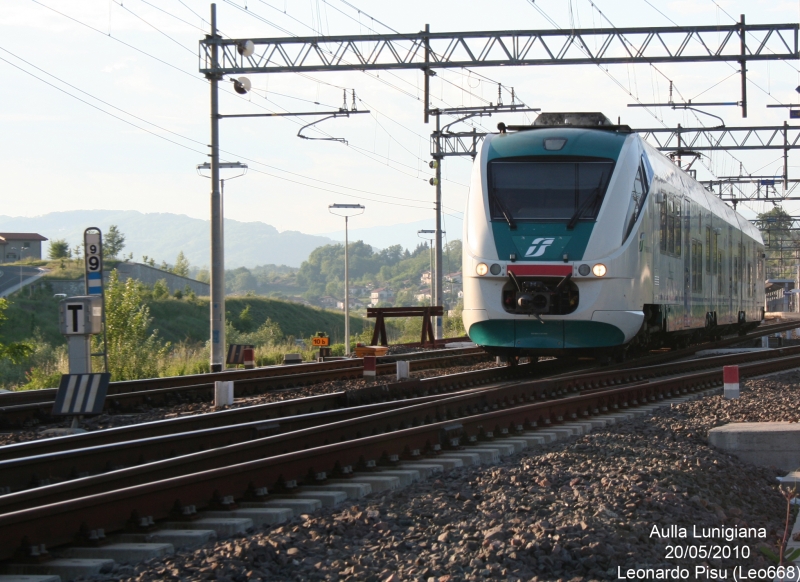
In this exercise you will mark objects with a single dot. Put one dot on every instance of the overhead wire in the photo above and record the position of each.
(363, 151)
(360, 151)
(674, 86)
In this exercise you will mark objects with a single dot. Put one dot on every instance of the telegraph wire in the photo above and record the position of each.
(359, 150)
(177, 42)
(203, 153)
(100, 108)
(175, 16)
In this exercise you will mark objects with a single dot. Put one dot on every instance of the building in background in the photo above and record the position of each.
(15, 246)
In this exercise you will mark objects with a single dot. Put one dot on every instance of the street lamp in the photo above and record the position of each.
(217, 274)
(345, 208)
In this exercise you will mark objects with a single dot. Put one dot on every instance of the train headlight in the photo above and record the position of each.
(583, 270)
(599, 270)
(482, 269)
(495, 269)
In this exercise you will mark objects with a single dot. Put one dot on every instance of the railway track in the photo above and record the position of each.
(18, 407)
(314, 446)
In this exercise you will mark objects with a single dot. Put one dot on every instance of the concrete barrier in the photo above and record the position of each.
(767, 444)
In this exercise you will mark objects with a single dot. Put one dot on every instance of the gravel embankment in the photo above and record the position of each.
(574, 510)
(149, 414)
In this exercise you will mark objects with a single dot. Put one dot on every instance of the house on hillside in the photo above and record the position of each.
(423, 296)
(16, 246)
(381, 295)
(453, 278)
(425, 279)
(327, 301)
(354, 304)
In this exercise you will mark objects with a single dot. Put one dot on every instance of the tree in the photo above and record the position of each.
(132, 352)
(17, 351)
(160, 289)
(113, 242)
(780, 242)
(181, 267)
(59, 249)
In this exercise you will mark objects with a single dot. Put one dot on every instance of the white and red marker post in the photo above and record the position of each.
(249, 356)
(370, 366)
(730, 379)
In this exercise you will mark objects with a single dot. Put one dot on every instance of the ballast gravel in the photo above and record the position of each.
(569, 511)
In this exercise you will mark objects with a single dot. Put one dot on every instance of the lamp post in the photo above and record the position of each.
(345, 208)
(218, 257)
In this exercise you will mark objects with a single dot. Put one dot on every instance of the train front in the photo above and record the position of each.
(550, 263)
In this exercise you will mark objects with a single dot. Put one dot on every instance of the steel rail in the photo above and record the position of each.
(279, 410)
(167, 455)
(379, 393)
(17, 407)
(125, 386)
(62, 522)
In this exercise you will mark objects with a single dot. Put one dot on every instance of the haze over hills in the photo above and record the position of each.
(163, 235)
(381, 237)
(247, 244)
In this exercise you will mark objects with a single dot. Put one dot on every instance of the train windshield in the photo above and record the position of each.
(548, 189)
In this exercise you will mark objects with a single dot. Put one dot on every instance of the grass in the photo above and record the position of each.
(180, 320)
(185, 324)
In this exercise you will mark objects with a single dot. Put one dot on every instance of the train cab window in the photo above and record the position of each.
(547, 188)
(638, 194)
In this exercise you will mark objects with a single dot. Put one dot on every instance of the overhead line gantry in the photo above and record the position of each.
(428, 50)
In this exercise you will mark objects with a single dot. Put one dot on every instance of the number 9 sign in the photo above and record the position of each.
(93, 243)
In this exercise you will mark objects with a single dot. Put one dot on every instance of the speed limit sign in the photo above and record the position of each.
(93, 245)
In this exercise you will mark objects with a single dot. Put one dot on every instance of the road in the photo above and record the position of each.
(10, 276)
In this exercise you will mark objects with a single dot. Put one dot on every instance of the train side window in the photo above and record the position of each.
(664, 209)
(697, 265)
(708, 249)
(671, 227)
(720, 278)
(715, 256)
(678, 218)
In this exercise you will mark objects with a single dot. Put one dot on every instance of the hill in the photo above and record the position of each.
(182, 320)
(162, 235)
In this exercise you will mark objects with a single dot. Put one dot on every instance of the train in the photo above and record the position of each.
(582, 239)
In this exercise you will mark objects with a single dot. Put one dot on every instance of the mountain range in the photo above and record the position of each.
(162, 235)
(247, 244)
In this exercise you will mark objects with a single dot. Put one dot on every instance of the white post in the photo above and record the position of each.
(217, 257)
(346, 295)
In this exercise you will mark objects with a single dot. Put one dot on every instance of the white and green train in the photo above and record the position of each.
(580, 238)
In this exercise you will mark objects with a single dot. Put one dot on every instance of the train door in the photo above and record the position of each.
(687, 264)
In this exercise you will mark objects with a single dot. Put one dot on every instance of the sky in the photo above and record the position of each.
(103, 106)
